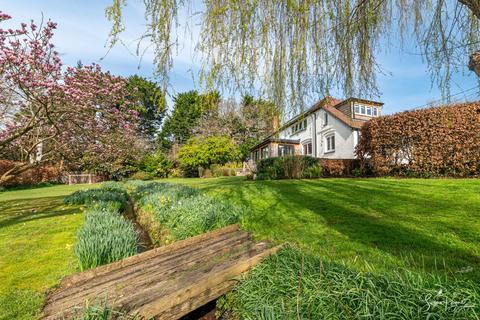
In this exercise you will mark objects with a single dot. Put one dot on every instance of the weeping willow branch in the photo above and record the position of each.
(298, 50)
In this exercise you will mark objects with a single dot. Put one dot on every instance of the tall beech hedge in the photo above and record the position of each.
(441, 141)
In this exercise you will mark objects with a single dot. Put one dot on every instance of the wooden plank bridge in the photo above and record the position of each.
(163, 283)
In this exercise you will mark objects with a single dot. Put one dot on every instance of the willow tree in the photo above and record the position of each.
(292, 51)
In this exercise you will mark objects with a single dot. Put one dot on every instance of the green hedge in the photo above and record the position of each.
(290, 285)
(288, 167)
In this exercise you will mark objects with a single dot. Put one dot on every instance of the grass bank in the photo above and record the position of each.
(366, 224)
(37, 236)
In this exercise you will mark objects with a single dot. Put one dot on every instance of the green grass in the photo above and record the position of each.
(37, 235)
(367, 224)
(295, 285)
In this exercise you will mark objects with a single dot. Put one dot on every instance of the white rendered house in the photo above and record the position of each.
(329, 129)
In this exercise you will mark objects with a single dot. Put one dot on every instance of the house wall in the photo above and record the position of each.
(346, 108)
(346, 138)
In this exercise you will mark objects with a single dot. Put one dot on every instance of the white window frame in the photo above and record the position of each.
(366, 110)
(299, 126)
(305, 145)
(328, 143)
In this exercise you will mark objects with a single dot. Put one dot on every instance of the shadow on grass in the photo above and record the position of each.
(399, 218)
(20, 211)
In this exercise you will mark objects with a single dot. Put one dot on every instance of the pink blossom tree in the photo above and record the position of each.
(47, 114)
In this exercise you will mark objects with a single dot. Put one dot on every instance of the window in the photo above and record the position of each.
(307, 148)
(330, 145)
(366, 110)
(265, 153)
(285, 150)
(299, 126)
(325, 122)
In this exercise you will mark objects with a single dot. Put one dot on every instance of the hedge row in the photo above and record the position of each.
(442, 141)
(305, 167)
(105, 236)
(172, 212)
(32, 176)
(289, 167)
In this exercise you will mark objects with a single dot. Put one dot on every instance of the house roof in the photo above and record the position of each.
(329, 104)
(272, 139)
(356, 124)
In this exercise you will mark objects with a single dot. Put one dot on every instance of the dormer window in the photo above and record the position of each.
(366, 110)
(299, 126)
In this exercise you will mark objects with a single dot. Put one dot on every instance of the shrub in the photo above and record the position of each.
(157, 165)
(141, 175)
(340, 167)
(223, 171)
(292, 285)
(289, 167)
(105, 236)
(311, 172)
(203, 152)
(440, 141)
(34, 176)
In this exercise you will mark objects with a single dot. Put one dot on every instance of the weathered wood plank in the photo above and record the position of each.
(176, 246)
(159, 290)
(117, 286)
(164, 309)
(160, 264)
(167, 282)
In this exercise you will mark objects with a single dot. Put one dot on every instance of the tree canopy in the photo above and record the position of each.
(188, 107)
(203, 152)
(148, 100)
(247, 123)
(296, 50)
(47, 114)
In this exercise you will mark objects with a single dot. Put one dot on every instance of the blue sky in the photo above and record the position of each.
(83, 30)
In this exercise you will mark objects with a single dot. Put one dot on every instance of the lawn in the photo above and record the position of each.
(368, 224)
(37, 233)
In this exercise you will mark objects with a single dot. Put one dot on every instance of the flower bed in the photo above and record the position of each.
(106, 236)
(173, 212)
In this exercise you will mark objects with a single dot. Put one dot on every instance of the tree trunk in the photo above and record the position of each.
(474, 63)
(13, 172)
(473, 5)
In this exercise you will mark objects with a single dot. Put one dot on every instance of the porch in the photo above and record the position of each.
(274, 147)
